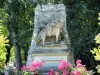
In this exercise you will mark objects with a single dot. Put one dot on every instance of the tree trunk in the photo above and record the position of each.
(17, 51)
(14, 42)
(17, 56)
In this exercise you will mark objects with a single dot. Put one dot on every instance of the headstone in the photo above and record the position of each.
(50, 41)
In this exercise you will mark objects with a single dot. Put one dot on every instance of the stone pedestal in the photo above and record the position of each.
(51, 54)
(53, 51)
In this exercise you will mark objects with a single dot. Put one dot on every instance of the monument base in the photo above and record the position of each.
(51, 55)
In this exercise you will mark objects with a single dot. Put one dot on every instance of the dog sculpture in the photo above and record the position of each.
(51, 30)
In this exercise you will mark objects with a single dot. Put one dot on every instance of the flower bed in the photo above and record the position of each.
(64, 68)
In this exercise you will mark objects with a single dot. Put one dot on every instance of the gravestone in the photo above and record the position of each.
(50, 41)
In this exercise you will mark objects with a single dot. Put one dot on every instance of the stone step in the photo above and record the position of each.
(52, 46)
(51, 51)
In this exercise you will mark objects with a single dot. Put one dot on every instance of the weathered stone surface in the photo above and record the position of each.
(50, 15)
(52, 51)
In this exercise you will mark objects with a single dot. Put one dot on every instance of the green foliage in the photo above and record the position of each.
(12, 55)
(82, 25)
(3, 44)
(3, 39)
(20, 21)
(21, 73)
(96, 51)
(26, 24)
(43, 1)
(98, 68)
(81, 22)
(97, 38)
(2, 3)
(3, 28)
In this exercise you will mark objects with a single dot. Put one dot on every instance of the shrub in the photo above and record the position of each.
(3, 44)
(96, 51)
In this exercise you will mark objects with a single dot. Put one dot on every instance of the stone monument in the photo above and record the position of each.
(50, 41)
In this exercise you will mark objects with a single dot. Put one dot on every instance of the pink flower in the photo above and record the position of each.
(33, 66)
(37, 64)
(72, 73)
(63, 65)
(51, 72)
(65, 73)
(31, 69)
(56, 73)
(75, 73)
(79, 65)
(23, 68)
(68, 64)
(78, 73)
(78, 61)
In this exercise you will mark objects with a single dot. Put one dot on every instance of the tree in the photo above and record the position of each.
(13, 12)
(20, 23)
